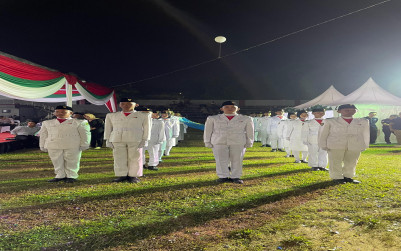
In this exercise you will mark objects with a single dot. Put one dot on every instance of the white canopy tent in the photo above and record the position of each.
(370, 97)
(326, 98)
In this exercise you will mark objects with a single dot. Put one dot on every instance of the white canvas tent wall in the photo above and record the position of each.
(326, 98)
(371, 97)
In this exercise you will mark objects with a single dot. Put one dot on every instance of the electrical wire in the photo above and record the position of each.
(254, 46)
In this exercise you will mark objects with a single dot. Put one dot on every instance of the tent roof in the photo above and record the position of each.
(369, 93)
(326, 98)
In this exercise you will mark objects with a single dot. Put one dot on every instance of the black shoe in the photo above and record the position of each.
(263, 146)
(349, 180)
(273, 150)
(145, 167)
(323, 169)
(133, 179)
(281, 150)
(315, 169)
(56, 179)
(304, 161)
(339, 181)
(223, 180)
(121, 179)
(153, 168)
(297, 161)
(70, 180)
(237, 181)
(267, 145)
(291, 155)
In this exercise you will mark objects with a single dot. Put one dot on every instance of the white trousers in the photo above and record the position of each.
(286, 144)
(162, 148)
(317, 156)
(276, 141)
(342, 163)
(65, 162)
(169, 145)
(127, 159)
(153, 151)
(226, 156)
(304, 155)
(264, 137)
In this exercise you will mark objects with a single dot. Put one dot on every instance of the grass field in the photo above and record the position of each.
(281, 205)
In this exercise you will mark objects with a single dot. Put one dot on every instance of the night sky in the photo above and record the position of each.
(114, 43)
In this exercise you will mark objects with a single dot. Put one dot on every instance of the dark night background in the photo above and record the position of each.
(114, 43)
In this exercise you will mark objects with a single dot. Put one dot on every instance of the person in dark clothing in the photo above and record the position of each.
(386, 128)
(97, 129)
(395, 127)
(372, 126)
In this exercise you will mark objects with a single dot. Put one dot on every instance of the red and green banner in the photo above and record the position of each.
(23, 80)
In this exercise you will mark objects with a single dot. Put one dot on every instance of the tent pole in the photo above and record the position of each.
(68, 93)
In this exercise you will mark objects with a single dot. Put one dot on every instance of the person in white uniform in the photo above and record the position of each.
(344, 138)
(275, 141)
(263, 129)
(157, 136)
(64, 139)
(294, 135)
(126, 132)
(175, 123)
(229, 134)
(317, 157)
(282, 129)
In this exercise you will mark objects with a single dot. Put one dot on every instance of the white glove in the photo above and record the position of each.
(109, 144)
(83, 148)
(208, 145)
(142, 144)
(248, 145)
(43, 149)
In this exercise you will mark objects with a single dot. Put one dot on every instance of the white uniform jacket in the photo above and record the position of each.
(336, 133)
(72, 133)
(157, 134)
(219, 130)
(273, 123)
(264, 123)
(310, 131)
(132, 128)
(294, 133)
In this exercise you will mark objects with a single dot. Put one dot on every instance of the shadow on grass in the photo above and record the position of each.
(140, 191)
(191, 219)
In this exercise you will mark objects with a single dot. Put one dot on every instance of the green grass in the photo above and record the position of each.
(281, 205)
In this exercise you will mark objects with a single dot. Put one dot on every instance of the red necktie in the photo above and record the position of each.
(319, 121)
(126, 113)
(61, 120)
(348, 120)
(230, 117)
(281, 117)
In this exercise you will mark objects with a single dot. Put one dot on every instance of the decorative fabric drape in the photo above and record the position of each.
(25, 81)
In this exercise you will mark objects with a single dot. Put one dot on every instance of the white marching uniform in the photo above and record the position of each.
(183, 131)
(344, 143)
(157, 136)
(275, 141)
(263, 130)
(317, 157)
(229, 140)
(294, 134)
(126, 133)
(64, 143)
(282, 129)
(256, 126)
(172, 128)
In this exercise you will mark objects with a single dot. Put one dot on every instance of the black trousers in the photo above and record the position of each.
(373, 135)
(96, 139)
(387, 134)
